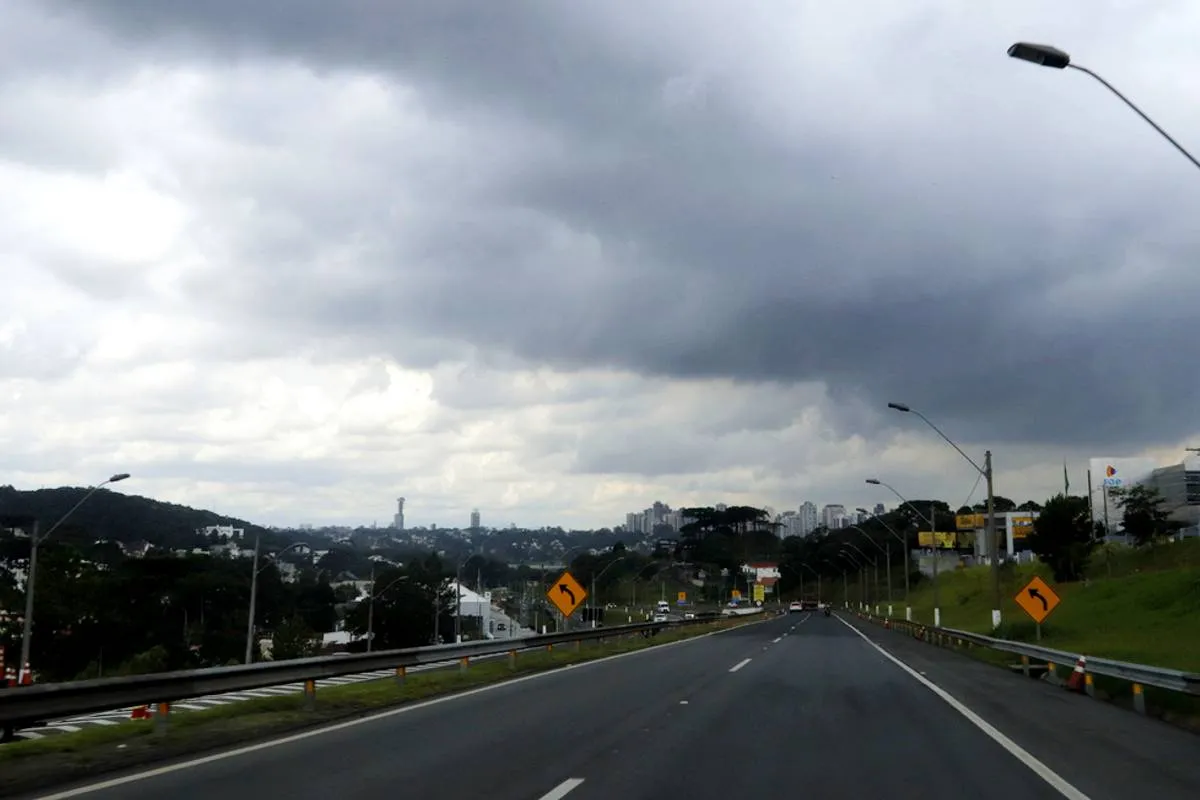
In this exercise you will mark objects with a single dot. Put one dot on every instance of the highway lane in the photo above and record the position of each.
(795, 705)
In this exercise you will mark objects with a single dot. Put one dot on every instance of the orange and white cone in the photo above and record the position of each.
(1078, 676)
(10, 676)
(140, 712)
(26, 675)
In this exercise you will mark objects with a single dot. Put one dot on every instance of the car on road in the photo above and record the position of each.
(660, 617)
(795, 606)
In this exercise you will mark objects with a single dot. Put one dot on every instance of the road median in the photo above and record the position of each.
(30, 765)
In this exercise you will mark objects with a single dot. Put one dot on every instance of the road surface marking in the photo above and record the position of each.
(112, 783)
(739, 665)
(777, 640)
(560, 791)
(1020, 753)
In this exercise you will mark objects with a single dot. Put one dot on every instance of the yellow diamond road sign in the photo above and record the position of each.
(1037, 599)
(566, 594)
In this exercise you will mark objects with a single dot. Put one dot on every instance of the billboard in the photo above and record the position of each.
(945, 541)
(1021, 526)
(970, 522)
(1118, 473)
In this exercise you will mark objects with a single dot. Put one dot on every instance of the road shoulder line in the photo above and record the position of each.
(1044, 772)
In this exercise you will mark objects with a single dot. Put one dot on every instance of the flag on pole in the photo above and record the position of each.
(1066, 480)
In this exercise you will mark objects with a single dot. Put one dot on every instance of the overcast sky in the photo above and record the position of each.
(557, 260)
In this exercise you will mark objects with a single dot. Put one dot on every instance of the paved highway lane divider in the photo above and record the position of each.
(27, 765)
(1176, 693)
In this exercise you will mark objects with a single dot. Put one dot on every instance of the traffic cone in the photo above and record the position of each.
(140, 712)
(27, 675)
(10, 676)
(1078, 676)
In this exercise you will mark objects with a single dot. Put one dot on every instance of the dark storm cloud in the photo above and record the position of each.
(927, 258)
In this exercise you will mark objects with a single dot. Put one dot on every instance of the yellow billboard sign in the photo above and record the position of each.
(945, 540)
(970, 522)
(1021, 527)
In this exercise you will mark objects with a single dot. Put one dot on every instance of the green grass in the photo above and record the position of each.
(1148, 612)
(32, 763)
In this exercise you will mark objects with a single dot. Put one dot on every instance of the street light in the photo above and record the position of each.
(887, 557)
(371, 607)
(256, 569)
(904, 545)
(34, 541)
(1046, 56)
(986, 472)
(596, 577)
(874, 566)
(937, 610)
(814, 572)
(858, 568)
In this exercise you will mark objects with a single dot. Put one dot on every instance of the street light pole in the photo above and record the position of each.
(874, 568)
(254, 592)
(932, 523)
(887, 555)
(34, 541)
(986, 472)
(814, 572)
(1046, 56)
(907, 566)
(596, 577)
(371, 606)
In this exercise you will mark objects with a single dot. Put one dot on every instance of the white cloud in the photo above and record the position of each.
(226, 277)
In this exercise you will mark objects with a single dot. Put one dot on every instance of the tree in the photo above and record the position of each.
(293, 639)
(1142, 513)
(1000, 503)
(1062, 536)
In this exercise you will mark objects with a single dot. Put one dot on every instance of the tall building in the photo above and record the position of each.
(833, 516)
(475, 520)
(398, 519)
(880, 510)
(809, 520)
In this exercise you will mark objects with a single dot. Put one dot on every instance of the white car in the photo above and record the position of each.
(795, 606)
(660, 617)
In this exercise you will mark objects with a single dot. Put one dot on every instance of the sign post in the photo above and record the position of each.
(1037, 600)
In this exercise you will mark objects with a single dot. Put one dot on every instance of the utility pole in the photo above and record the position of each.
(993, 539)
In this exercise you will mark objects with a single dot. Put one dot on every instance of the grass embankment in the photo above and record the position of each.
(1148, 612)
(56, 759)
(1136, 605)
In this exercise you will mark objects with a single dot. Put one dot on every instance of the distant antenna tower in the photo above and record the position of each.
(398, 520)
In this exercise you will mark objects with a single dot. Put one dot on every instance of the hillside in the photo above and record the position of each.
(1147, 611)
(114, 516)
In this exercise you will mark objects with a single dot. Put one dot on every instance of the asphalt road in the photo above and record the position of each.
(797, 706)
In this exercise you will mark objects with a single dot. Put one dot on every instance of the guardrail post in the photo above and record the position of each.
(401, 673)
(512, 659)
(463, 663)
(578, 645)
(1025, 666)
(161, 712)
(1139, 698)
(310, 695)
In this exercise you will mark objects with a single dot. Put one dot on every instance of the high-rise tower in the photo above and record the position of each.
(398, 520)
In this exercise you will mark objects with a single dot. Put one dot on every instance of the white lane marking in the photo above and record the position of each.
(739, 665)
(560, 791)
(393, 712)
(1020, 753)
(777, 640)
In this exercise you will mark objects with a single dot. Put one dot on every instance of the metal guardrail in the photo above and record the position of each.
(23, 705)
(1141, 674)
